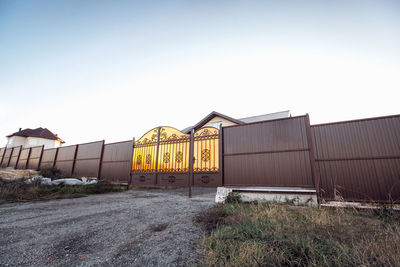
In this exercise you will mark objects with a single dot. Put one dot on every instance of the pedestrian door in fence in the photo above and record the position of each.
(162, 157)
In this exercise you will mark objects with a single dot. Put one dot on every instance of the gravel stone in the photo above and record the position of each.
(135, 228)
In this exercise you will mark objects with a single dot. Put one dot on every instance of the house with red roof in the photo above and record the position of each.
(34, 137)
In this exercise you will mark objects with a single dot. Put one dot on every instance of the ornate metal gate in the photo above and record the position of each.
(206, 157)
(162, 157)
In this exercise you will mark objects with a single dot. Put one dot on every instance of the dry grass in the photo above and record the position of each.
(13, 174)
(259, 234)
(19, 191)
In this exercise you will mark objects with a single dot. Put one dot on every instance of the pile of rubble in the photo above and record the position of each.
(32, 176)
(64, 181)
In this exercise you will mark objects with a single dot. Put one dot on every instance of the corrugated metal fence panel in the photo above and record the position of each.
(88, 159)
(270, 153)
(14, 157)
(48, 158)
(116, 165)
(2, 150)
(6, 157)
(359, 160)
(65, 159)
(34, 158)
(23, 158)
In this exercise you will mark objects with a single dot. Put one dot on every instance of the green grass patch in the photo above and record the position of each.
(264, 234)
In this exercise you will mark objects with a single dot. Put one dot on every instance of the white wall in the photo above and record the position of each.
(31, 142)
(223, 121)
(16, 141)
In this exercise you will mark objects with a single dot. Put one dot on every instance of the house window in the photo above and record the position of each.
(217, 124)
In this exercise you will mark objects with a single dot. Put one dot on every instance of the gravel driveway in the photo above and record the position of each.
(136, 228)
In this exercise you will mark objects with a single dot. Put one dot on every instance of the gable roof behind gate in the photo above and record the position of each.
(264, 117)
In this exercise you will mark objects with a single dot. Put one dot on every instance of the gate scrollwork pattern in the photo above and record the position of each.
(166, 149)
(206, 150)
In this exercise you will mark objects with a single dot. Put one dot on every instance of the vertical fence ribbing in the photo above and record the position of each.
(2, 156)
(41, 156)
(191, 148)
(101, 160)
(9, 159)
(19, 154)
(27, 159)
(312, 158)
(131, 162)
(74, 161)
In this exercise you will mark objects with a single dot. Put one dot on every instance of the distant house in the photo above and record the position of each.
(34, 137)
(219, 120)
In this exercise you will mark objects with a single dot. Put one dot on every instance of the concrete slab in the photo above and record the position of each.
(294, 195)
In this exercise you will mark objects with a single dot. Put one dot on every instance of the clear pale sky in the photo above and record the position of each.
(93, 70)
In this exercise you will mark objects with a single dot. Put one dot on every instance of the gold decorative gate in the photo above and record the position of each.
(161, 157)
(206, 157)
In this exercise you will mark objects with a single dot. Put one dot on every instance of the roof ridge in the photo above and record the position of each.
(265, 114)
(39, 132)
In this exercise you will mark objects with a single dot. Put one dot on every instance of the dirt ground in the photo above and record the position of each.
(135, 228)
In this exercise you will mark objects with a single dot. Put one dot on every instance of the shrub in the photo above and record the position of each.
(51, 172)
(233, 198)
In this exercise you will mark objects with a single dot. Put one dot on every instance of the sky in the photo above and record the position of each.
(93, 70)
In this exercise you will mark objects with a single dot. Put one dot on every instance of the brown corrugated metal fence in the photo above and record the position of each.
(35, 157)
(111, 162)
(6, 157)
(354, 160)
(2, 152)
(359, 160)
(23, 158)
(88, 159)
(270, 153)
(48, 158)
(65, 159)
(117, 161)
(14, 156)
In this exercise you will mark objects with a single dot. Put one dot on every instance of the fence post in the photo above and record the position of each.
(158, 146)
(221, 155)
(131, 160)
(27, 159)
(2, 156)
(101, 160)
(40, 158)
(315, 177)
(74, 162)
(191, 148)
(19, 155)
(9, 159)
(55, 157)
